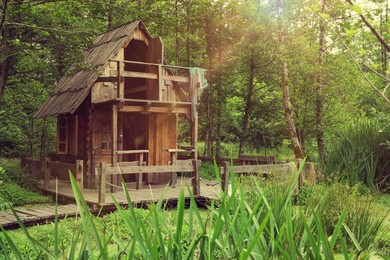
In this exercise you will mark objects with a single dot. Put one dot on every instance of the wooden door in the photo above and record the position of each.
(162, 135)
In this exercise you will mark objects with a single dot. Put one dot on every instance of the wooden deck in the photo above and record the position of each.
(36, 215)
(31, 215)
(149, 194)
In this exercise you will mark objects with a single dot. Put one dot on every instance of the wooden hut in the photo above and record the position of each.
(124, 109)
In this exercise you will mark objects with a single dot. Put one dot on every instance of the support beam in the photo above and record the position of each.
(114, 156)
(80, 173)
(102, 184)
(225, 172)
(195, 178)
(46, 179)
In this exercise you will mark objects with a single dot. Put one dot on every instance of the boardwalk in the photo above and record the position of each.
(40, 215)
(36, 215)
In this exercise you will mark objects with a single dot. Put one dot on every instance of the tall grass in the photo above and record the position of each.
(360, 154)
(269, 228)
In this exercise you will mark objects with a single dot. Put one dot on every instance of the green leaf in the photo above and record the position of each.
(357, 9)
(324, 15)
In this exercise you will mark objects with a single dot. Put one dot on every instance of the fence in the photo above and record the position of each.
(106, 170)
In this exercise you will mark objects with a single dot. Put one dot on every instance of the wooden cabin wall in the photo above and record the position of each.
(101, 135)
(162, 135)
(103, 91)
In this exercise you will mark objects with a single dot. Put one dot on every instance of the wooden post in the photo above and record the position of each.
(80, 173)
(102, 184)
(138, 177)
(120, 86)
(160, 83)
(114, 155)
(225, 176)
(195, 178)
(46, 178)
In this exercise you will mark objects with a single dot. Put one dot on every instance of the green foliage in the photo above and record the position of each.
(268, 228)
(207, 171)
(17, 196)
(17, 187)
(13, 173)
(365, 217)
(358, 154)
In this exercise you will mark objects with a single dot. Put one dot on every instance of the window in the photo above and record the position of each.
(106, 136)
(62, 134)
(67, 130)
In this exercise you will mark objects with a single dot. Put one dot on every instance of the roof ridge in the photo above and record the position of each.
(118, 26)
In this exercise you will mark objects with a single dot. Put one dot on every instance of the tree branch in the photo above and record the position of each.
(361, 69)
(380, 38)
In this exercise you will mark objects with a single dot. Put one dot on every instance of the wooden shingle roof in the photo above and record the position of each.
(71, 91)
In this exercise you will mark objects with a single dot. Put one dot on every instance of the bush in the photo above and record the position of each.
(207, 171)
(22, 177)
(364, 217)
(359, 154)
(17, 186)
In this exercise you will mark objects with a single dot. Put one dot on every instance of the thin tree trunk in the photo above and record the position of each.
(219, 107)
(109, 18)
(3, 78)
(176, 34)
(43, 138)
(319, 89)
(248, 104)
(285, 88)
(209, 93)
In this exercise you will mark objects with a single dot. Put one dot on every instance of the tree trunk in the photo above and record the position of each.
(319, 89)
(109, 17)
(3, 78)
(285, 87)
(248, 104)
(176, 34)
(219, 107)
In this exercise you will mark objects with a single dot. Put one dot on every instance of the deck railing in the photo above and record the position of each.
(226, 169)
(126, 168)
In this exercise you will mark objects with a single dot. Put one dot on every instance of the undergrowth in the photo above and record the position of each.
(237, 226)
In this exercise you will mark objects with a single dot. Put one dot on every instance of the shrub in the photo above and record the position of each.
(360, 154)
(22, 177)
(364, 217)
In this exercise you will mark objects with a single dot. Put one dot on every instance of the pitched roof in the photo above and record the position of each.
(71, 91)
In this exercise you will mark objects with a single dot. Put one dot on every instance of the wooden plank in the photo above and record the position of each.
(262, 168)
(182, 79)
(153, 109)
(114, 151)
(133, 152)
(225, 172)
(195, 178)
(154, 102)
(61, 166)
(138, 177)
(102, 185)
(149, 169)
(143, 75)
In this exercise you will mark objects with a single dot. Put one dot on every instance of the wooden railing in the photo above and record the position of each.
(62, 169)
(159, 75)
(124, 168)
(226, 169)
